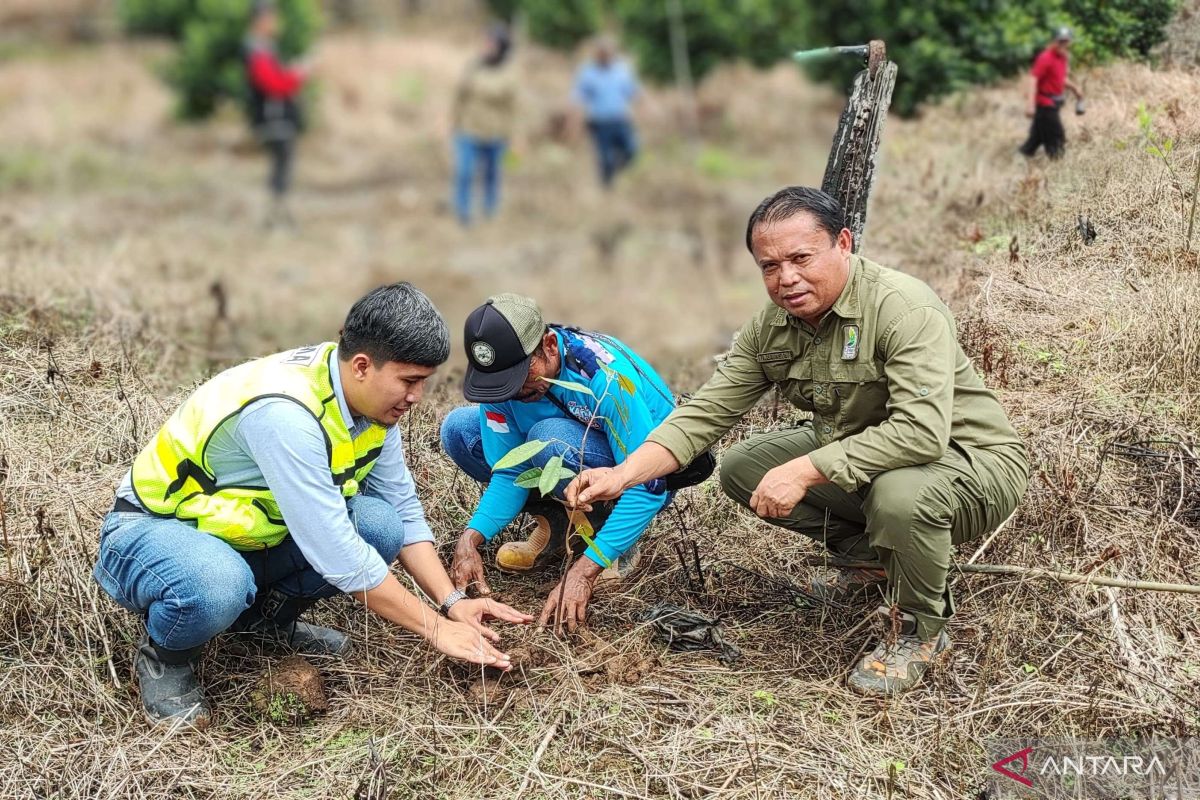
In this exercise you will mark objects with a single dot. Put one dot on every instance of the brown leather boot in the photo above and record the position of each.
(552, 525)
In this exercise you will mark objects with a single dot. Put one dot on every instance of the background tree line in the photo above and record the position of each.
(940, 45)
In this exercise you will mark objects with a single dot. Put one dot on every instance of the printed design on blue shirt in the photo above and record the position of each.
(584, 414)
(585, 354)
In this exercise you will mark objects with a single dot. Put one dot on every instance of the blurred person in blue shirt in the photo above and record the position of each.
(578, 390)
(606, 87)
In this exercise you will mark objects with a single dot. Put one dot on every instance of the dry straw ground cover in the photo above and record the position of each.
(108, 309)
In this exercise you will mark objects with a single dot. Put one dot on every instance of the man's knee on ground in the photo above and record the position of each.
(379, 524)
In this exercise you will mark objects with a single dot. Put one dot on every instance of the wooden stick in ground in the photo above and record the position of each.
(537, 754)
(1032, 572)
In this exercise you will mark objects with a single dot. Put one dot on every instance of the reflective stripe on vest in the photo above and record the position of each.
(172, 477)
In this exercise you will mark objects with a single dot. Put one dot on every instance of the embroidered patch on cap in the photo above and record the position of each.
(483, 353)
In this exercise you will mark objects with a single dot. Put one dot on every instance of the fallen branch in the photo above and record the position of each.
(1032, 572)
(537, 755)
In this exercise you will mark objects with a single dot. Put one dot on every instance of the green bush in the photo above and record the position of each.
(759, 31)
(555, 23)
(208, 66)
(940, 45)
(946, 45)
(155, 17)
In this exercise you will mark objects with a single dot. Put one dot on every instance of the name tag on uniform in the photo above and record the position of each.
(775, 355)
(850, 337)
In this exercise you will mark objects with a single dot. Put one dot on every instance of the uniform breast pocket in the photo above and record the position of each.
(794, 379)
(860, 392)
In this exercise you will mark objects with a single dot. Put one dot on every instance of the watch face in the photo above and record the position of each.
(483, 353)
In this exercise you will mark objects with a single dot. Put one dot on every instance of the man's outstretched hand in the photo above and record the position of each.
(592, 486)
(567, 604)
(461, 641)
(474, 612)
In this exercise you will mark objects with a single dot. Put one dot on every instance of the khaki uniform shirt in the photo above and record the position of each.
(485, 106)
(883, 374)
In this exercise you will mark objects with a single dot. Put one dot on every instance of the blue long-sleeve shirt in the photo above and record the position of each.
(277, 444)
(628, 420)
(605, 91)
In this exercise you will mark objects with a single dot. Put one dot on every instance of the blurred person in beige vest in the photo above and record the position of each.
(483, 116)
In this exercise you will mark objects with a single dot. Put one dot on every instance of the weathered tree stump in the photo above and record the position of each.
(850, 171)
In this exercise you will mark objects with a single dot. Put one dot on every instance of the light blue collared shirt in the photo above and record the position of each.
(276, 444)
(605, 92)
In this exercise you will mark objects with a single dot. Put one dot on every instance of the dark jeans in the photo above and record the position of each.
(482, 156)
(282, 152)
(616, 146)
(1046, 130)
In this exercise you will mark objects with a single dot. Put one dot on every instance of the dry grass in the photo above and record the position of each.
(106, 311)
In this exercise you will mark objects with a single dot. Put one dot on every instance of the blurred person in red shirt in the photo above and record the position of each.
(1045, 94)
(274, 103)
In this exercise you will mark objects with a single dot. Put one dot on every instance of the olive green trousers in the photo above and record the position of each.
(907, 518)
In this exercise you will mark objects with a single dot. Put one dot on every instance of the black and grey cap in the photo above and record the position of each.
(1063, 34)
(500, 336)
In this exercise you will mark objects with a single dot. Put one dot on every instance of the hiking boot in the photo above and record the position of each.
(842, 585)
(623, 567)
(552, 524)
(167, 683)
(274, 619)
(898, 662)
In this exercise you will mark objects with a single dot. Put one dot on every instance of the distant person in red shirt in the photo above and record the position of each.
(274, 103)
(1045, 95)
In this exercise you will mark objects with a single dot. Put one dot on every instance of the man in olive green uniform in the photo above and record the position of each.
(907, 453)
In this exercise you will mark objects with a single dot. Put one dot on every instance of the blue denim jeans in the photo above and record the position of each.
(189, 586)
(463, 442)
(616, 146)
(472, 156)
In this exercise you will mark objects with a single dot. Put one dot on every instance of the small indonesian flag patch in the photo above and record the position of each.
(496, 421)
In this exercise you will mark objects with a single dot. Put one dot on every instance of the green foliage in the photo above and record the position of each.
(155, 17)
(759, 31)
(940, 46)
(571, 385)
(556, 23)
(209, 63)
(520, 454)
(949, 44)
(1155, 143)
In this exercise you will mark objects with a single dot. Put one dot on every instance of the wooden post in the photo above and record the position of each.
(853, 159)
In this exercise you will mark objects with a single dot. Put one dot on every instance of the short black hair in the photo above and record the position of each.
(396, 323)
(792, 200)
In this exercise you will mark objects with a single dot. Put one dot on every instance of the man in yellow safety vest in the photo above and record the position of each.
(280, 482)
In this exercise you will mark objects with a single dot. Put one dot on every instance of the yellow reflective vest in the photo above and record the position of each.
(171, 475)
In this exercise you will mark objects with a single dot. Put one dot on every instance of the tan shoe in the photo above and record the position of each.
(898, 663)
(552, 526)
(843, 585)
(622, 567)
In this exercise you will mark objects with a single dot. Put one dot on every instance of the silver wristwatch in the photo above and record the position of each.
(451, 599)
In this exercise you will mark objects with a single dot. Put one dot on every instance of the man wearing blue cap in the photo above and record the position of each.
(583, 393)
